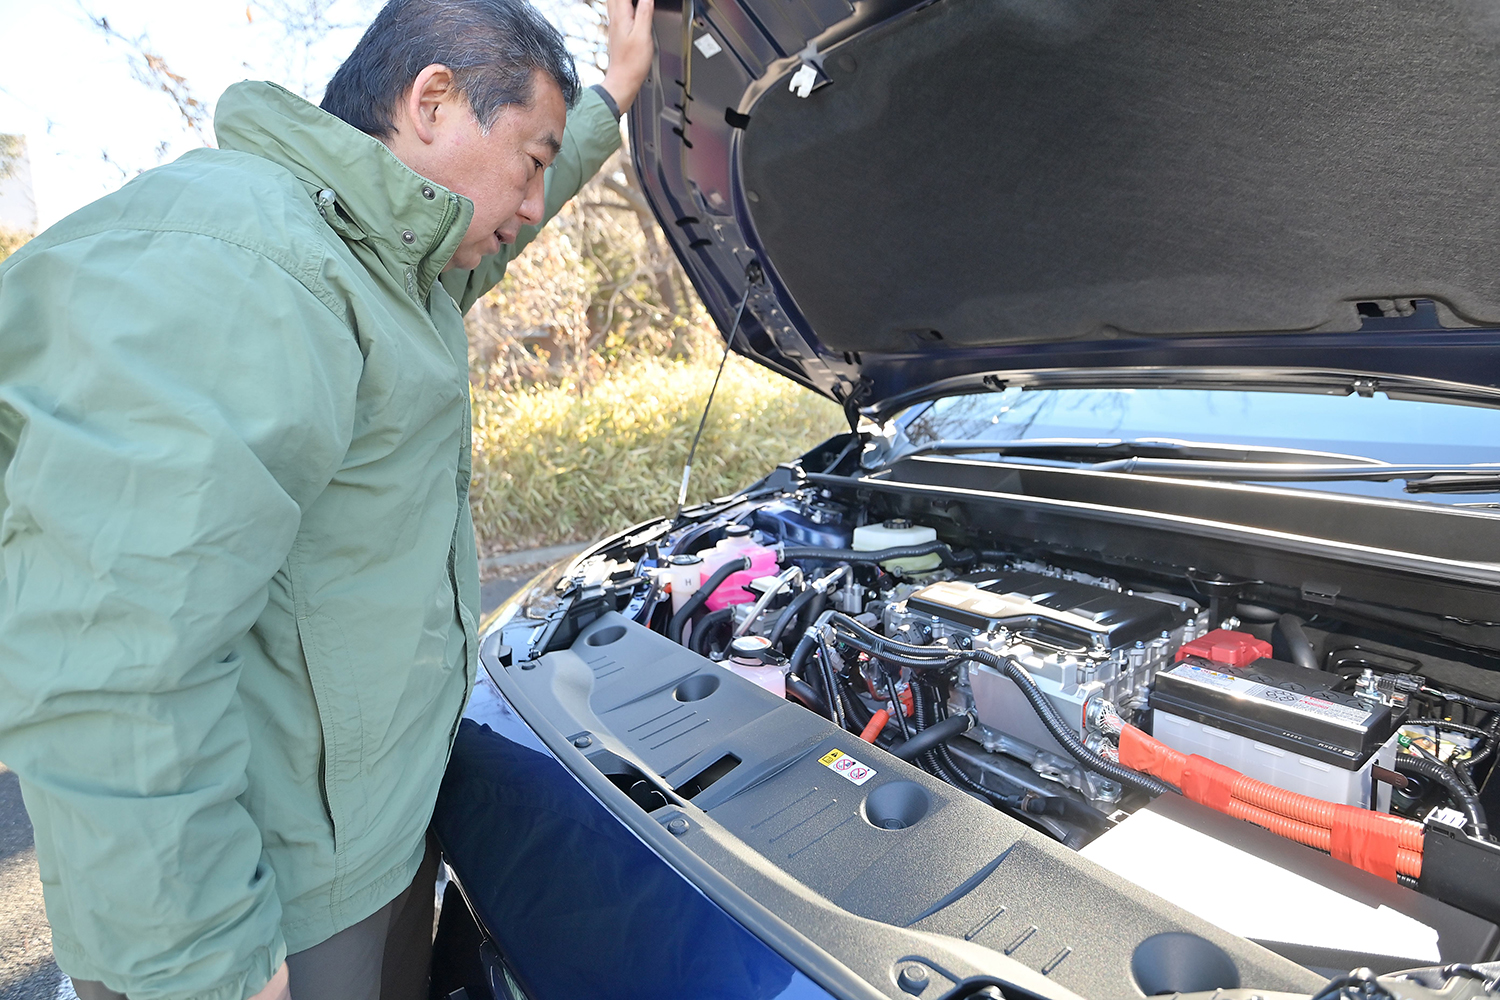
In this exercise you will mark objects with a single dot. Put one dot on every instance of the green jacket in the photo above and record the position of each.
(238, 585)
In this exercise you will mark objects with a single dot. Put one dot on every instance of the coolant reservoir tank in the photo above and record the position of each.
(748, 657)
(894, 533)
(737, 544)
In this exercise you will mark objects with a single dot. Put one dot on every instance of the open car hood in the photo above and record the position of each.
(907, 193)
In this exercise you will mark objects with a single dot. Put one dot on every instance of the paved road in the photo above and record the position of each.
(26, 968)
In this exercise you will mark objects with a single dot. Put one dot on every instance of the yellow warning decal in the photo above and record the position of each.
(843, 764)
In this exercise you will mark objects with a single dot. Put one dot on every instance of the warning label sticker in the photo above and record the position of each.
(1296, 701)
(841, 763)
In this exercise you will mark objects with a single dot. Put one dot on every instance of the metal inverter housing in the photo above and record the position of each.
(1080, 639)
(1276, 722)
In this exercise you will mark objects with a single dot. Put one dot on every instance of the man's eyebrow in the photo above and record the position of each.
(553, 143)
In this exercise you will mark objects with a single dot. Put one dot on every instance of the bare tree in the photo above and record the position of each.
(586, 25)
(306, 26)
(148, 67)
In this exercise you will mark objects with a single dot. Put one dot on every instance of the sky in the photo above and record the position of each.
(90, 125)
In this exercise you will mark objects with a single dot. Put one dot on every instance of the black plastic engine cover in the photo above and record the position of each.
(1066, 611)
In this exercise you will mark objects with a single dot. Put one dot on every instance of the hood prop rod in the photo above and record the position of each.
(753, 274)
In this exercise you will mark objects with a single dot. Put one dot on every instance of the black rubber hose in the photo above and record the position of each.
(693, 603)
(790, 614)
(804, 649)
(1298, 645)
(946, 556)
(934, 735)
(897, 709)
(815, 606)
(831, 684)
(922, 718)
(1464, 799)
(938, 761)
(1255, 613)
(854, 706)
(703, 631)
(1059, 729)
(803, 692)
(798, 665)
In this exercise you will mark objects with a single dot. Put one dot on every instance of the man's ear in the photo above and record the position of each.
(430, 100)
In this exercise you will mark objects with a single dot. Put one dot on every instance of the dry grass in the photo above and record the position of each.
(11, 240)
(552, 465)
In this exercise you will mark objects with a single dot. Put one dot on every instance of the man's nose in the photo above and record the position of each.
(534, 204)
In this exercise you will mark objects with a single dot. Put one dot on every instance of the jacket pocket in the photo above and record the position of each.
(339, 716)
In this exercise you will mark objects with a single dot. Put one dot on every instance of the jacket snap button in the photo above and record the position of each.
(408, 237)
(428, 193)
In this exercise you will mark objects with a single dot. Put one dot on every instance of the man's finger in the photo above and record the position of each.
(621, 13)
(642, 14)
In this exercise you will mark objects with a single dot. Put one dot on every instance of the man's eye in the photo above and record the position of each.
(539, 164)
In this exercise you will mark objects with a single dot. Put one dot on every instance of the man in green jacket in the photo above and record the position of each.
(238, 585)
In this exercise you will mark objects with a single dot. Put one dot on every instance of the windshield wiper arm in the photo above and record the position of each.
(1235, 462)
(1093, 449)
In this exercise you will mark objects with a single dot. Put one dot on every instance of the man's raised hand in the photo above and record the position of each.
(630, 49)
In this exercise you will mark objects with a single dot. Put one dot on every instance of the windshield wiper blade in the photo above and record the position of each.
(1419, 478)
(1093, 449)
(1471, 482)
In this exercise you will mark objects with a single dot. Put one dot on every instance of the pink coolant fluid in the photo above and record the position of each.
(736, 544)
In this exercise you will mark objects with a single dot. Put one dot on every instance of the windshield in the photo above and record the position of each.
(1396, 431)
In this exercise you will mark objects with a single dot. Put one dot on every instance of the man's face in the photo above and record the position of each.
(501, 171)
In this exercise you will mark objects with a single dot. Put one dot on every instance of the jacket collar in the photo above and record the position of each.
(367, 195)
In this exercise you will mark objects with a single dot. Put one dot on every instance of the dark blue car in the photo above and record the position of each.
(1140, 637)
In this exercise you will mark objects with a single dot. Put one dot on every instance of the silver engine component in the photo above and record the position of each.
(1084, 641)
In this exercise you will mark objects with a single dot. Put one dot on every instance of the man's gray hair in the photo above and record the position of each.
(493, 47)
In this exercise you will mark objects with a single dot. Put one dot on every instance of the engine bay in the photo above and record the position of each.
(1242, 757)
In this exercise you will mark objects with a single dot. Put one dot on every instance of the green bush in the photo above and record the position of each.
(553, 464)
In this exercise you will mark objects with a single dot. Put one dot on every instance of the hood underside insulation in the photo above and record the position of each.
(986, 172)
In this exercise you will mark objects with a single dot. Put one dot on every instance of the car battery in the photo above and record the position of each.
(1278, 723)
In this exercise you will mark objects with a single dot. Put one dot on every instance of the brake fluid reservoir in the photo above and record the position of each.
(736, 544)
(898, 532)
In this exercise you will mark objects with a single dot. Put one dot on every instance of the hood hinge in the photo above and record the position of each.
(850, 395)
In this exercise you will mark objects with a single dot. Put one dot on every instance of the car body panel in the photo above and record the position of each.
(613, 918)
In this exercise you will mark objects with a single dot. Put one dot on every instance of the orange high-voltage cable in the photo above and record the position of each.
(1379, 843)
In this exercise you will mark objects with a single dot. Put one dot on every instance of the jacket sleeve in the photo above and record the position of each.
(169, 403)
(592, 134)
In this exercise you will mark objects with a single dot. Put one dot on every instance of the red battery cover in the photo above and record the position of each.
(1234, 649)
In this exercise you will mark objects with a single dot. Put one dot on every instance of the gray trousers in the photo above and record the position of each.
(385, 956)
